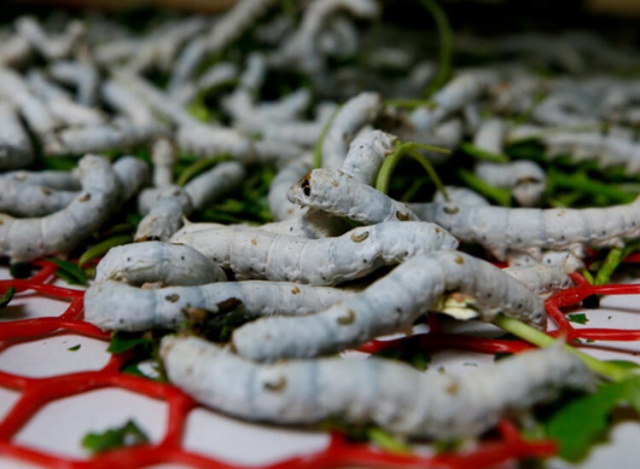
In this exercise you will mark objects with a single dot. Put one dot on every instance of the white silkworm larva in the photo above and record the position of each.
(457, 194)
(127, 103)
(163, 156)
(155, 261)
(302, 133)
(220, 74)
(205, 141)
(526, 179)
(277, 152)
(491, 136)
(279, 204)
(26, 200)
(116, 305)
(212, 184)
(15, 146)
(15, 90)
(389, 305)
(243, 15)
(30, 238)
(254, 253)
(351, 117)
(61, 104)
(390, 394)
(302, 48)
(164, 210)
(541, 278)
(15, 51)
(459, 92)
(501, 230)
(59, 180)
(51, 47)
(340, 194)
(132, 174)
(112, 136)
(156, 99)
(566, 108)
(366, 155)
(83, 75)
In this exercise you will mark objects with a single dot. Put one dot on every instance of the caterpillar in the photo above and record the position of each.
(15, 147)
(389, 394)
(118, 306)
(391, 304)
(257, 254)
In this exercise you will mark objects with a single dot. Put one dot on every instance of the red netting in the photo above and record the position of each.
(37, 392)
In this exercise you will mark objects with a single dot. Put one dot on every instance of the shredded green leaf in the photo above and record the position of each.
(578, 318)
(6, 297)
(127, 435)
(74, 348)
(69, 271)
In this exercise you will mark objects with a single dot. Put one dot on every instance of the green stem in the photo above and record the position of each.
(445, 35)
(410, 103)
(411, 149)
(480, 154)
(540, 339)
(581, 182)
(387, 441)
(198, 167)
(500, 196)
(102, 247)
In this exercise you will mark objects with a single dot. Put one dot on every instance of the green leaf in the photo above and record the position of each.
(578, 318)
(387, 441)
(123, 341)
(102, 247)
(75, 348)
(127, 435)
(581, 422)
(7, 297)
(69, 271)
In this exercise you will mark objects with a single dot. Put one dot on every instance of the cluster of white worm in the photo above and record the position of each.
(341, 262)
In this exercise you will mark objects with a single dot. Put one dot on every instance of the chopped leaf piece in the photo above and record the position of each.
(579, 318)
(127, 435)
(75, 348)
(7, 297)
(582, 421)
(69, 271)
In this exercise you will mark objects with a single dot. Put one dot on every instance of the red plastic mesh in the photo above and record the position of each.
(37, 392)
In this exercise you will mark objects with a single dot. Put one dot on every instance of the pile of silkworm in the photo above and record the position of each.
(340, 262)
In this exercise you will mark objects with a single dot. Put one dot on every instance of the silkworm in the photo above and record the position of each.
(126, 103)
(60, 103)
(21, 199)
(391, 304)
(459, 92)
(52, 179)
(132, 175)
(502, 230)
(84, 75)
(118, 306)
(340, 194)
(212, 184)
(566, 108)
(351, 117)
(299, 132)
(254, 253)
(50, 47)
(525, 178)
(163, 156)
(15, 51)
(26, 239)
(15, 90)
(457, 194)
(156, 99)
(301, 49)
(366, 155)
(204, 142)
(163, 219)
(220, 74)
(154, 261)
(243, 15)
(15, 146)
(389, 394)
(115, 135)
(279, 204)
(541, 278)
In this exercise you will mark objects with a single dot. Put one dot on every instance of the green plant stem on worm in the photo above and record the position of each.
(198, 167)
(411, 149)
(483, 155)
(445, 36)
(500, 196)
(610, 371)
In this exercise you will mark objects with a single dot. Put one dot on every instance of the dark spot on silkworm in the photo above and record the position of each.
(402, 216)
(295, 291)
(604, 232)
(348, 319)
(519, 306)
(305, 185)
(359, 237)
(459, 260)
(120, 321)
(453, 388)
(84, 197)
(364, 261)
(254, 241)
(172, 298)
(451, 209)
(46, 191)
(181, 258)
(562, 237)
(128, 259)
(278, 386)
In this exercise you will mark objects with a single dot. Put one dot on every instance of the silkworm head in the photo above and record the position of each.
(359, 237)
(402, 216)
(451, 209)
(305, 185)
